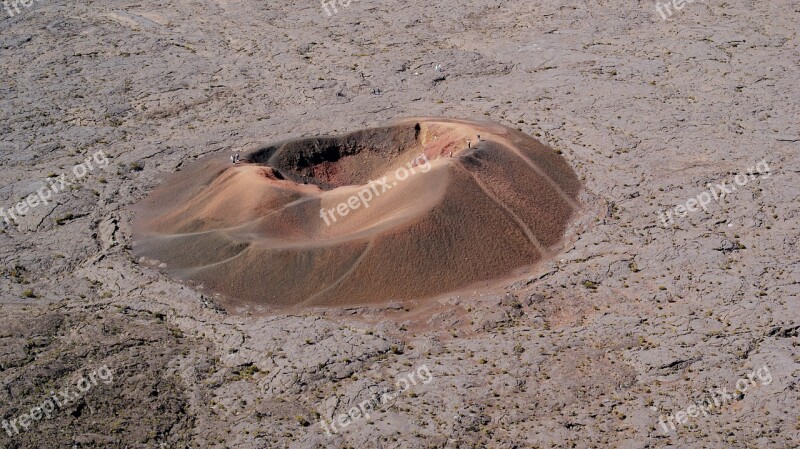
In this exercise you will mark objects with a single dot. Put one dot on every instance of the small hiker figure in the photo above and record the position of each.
(451, 154)
(233, 159)
(237, 158)
(469, 143)
(479, 137)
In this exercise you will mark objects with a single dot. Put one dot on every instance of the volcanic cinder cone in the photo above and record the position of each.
(410, 210)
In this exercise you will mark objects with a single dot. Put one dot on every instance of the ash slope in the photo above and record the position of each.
(451, 211)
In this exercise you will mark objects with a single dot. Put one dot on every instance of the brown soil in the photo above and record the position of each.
(255, 232)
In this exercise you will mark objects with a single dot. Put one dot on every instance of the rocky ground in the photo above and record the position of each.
(631, 322)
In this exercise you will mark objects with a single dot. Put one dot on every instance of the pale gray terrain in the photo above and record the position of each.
(630, 322)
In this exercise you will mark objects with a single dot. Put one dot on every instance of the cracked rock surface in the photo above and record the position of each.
(631, 322)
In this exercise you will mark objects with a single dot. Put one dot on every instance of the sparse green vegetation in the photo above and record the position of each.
(60, 221)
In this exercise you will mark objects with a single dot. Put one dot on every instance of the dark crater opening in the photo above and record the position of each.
(330, 162)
